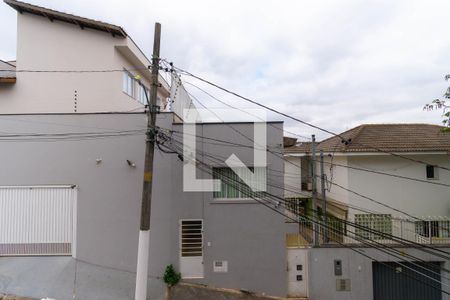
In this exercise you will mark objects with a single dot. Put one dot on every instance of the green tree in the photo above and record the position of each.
(440, 104)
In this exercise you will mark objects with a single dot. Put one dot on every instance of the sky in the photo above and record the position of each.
(335, 64)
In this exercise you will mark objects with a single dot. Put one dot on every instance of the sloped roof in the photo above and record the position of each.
(304, 147)
(52, 15)
(385, 137)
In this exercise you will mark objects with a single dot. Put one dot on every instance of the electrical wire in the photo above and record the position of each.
(399, 239)
(302, 121)
(342, 244)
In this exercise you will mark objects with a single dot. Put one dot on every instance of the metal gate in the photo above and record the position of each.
(37, 220)
(392, 281)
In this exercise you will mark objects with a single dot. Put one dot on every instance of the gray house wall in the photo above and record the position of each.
(357, 268)
(249, 236)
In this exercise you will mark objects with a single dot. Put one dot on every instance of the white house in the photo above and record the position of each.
(67, 48)
(392, 179)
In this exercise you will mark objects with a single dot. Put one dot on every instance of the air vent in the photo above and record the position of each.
(191, 238)
(343, 285)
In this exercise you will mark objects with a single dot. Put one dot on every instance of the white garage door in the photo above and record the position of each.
(37, 220)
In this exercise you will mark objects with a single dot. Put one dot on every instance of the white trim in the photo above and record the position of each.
(57, 186)
(74, 222)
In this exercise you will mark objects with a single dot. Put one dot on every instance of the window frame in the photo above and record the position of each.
(241, 196)
(128, 86)
(141, 95)
(434, 171)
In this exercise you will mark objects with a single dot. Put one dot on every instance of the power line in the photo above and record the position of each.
(356, 193)
(302, 121)
(355, 168)
(250, 114)
(398, 239)
(274, 209)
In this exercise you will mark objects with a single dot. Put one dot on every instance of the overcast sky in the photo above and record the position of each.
(336, 64)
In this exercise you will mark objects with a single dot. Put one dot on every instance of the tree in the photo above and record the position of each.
(440, 104)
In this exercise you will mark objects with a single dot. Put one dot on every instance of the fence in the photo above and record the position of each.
(382, 229)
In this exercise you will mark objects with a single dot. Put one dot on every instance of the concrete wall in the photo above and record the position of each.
(45, 45)
(246, 234)
(355, 267)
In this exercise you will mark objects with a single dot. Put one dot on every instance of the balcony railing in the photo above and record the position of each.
(372, 230)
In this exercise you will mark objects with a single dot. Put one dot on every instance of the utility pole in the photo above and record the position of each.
(324, 199)
(144, 232)
(314, 194)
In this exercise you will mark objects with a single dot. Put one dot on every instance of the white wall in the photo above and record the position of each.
(45, 45)
(292, 176)
(337, 176)
(416, 198)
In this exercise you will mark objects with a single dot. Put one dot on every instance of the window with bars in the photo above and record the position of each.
(377, 222)
(191, 238)
(233, 187)
(297, 206)
(434, 228)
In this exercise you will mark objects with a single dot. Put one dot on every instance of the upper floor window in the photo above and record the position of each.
(128, 83)
(143, 94)
(439, 229)
(233, 187)
(431, 172)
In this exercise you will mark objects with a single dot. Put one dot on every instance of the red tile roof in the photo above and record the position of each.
(384, 137)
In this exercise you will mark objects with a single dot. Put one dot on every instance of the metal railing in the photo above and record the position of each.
(375, 228)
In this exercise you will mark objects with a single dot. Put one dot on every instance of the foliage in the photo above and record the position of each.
(171, 277)
(440, 104)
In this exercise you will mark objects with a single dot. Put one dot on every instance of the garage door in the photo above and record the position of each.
(394, 282)
(37, 220)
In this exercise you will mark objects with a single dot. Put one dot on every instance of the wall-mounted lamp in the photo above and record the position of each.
(131, 164)
(98, 161)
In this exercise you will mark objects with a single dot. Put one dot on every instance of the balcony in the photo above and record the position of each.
(372, 230)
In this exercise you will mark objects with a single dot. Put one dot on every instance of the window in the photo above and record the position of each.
(431, 172)
(435, 228)
(128, 83)
(233, 187)
(143, 94)
(191, 238)
(377, 222)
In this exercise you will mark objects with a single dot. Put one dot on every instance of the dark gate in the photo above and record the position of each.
(392, 281)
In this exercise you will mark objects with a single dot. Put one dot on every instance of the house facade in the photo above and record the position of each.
(89, 188)
(72, 156)
(68, 48)
(381, 180)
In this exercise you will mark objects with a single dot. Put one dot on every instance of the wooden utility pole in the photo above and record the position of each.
(144, 233)
(315, 215)
(324, 199)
